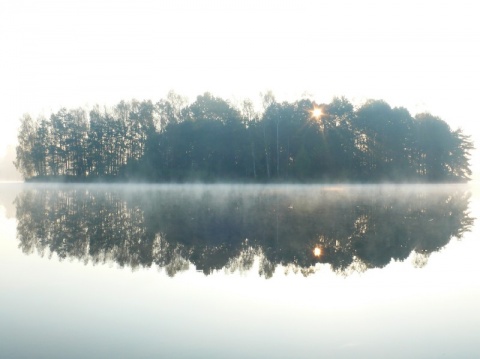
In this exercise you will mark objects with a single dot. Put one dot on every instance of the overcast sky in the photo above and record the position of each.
(422, 55)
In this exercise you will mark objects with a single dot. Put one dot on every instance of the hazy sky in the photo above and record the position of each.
(423, 55)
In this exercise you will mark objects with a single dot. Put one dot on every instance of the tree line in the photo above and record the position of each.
(212, 140)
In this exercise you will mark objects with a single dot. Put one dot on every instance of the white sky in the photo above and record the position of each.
(423, 55)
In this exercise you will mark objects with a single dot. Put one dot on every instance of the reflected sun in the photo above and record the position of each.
(317, 252)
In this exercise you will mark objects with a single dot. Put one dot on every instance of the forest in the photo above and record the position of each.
(211, 140)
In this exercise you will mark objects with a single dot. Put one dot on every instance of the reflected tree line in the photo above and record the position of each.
(212, 140)
(239, 230)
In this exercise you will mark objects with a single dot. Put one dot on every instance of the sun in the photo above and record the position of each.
(317, 112)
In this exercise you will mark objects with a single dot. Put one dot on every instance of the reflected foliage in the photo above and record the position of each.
(238, 228)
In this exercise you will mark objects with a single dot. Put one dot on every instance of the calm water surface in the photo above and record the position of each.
(95, 271)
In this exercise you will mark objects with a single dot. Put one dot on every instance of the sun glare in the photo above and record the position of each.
(317, 112)
(317, 252)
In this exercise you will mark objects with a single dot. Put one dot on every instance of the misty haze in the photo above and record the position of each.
(239, 179)
(186, 255)
(192, 220)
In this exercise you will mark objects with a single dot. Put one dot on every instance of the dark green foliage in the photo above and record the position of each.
(210, 140)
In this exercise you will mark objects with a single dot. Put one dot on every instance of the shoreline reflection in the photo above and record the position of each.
(235, 228)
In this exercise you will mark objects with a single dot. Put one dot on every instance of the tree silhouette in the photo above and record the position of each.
(210, 140)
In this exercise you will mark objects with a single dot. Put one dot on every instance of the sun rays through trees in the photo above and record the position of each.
(212, 140)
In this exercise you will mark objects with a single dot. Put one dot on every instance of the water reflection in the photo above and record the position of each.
(239, 228)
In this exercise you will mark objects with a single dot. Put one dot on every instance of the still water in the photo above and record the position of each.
(219, 271)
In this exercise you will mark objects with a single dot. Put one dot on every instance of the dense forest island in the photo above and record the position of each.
(210, 140)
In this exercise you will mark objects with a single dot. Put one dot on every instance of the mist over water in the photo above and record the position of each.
(228, 270)
(239, 227)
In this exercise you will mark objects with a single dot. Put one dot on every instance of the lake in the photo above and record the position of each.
(239, 271)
